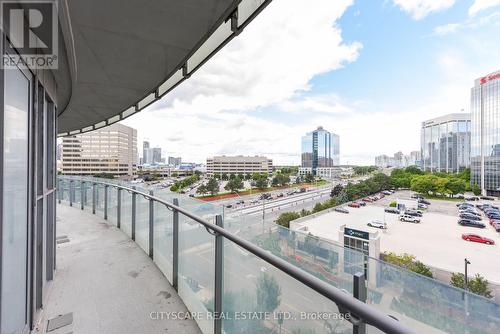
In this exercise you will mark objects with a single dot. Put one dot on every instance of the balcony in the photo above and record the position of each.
(215, 270)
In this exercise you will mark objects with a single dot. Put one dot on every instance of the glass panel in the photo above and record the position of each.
(128, 112)
(146, 101)
(171, 82)
(112, 205)
(142, 221)
(246, 8)
(99, 207)
(163, 239)
(15, 195)
(126, 213)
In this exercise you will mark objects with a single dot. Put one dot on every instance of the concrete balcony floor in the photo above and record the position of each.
(107, 282)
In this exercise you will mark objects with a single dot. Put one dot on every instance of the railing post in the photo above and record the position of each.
(359, 292)
(134, 212)
(82, 191)
(71, 189)
(175, 246)
(219, 277)
(151, 224)
(59, 188)
(106, 202)
(94, 197)
(118, 207)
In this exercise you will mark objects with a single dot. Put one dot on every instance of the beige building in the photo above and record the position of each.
(239, 165)
(111, 150)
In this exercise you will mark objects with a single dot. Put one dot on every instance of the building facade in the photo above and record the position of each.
(111, 150)
(399, 160)
(485, 116)
(173, 161)
(320, 148)
(446, 143)
(239, 165)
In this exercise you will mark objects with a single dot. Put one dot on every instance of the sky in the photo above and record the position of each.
(370, 71)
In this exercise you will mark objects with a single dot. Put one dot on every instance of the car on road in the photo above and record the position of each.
(377, 224)
(229, 206)
(392, 210)
(469, 216)
(280, 195)
(302, 190)
(471, 223)
(341, 210)
(409, 219)
(477, 238)
(240, 202)
(414, 213)
(255, 201)
(354, 205)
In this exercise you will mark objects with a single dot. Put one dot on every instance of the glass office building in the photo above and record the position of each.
(485, 154)
(320, 148)
(445, 143)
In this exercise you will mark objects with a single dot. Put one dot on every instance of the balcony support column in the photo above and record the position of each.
(106, 187)
(219, 277)
(82, 195)
(118, 207)
(71, 192)
(175, 246)
(359, 292)
(134, 212)
(151, 223)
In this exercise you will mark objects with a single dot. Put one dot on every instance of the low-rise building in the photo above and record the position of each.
(239, 165)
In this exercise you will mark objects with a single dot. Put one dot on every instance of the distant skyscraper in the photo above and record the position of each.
(445, 143)
(156, 152)
(485, 116)
(145, 151)
(174, 161)
(320, 148)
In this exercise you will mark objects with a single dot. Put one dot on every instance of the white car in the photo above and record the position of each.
(377, 224)
(410, 219)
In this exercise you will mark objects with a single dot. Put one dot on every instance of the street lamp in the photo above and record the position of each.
(466, 262)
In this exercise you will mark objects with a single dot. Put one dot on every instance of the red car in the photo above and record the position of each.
(496, 226)
(367, 199)
(354, 205)
(477, 238)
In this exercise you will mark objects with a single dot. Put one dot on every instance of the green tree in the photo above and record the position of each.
(261, 181)
(213, 186)
(336, 190)
(309, 178)
(234, 185)
(476, 189)
(478, 285)
(268, 293)
(424, 184)
(202, 189)
(456, 186)
(285, 218)
(408, 262)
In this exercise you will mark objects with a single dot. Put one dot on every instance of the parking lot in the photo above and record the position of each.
(436, 241)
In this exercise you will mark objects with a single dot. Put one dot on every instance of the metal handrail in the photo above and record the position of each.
(355, 307)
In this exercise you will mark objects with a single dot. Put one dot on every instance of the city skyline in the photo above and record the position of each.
(250, 99)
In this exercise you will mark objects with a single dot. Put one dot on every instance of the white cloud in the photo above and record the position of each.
(480, 5)
(419, 9)
(446, 29)
(270, 65)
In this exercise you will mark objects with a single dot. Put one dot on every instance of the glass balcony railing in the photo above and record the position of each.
(239, 275)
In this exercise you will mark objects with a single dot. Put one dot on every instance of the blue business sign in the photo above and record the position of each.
(356, 233)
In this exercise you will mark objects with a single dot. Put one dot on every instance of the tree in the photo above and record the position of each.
(309, 178)
(268, 293)
(408, 262)
(261, 181)
(285, 218)
(234, 185)
(456, 186)
(424, 184)
(202, 189)
(476, 189)
(478, 285)
(213, 186)
(336, 190)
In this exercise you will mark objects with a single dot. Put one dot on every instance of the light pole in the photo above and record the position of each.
(466, 279)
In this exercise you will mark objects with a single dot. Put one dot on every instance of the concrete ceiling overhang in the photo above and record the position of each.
(119, 56)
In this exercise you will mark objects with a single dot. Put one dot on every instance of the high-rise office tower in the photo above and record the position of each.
(320, 148)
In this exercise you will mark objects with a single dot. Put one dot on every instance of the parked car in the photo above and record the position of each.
(414, 213)
(487, 198)
(477, 238)
(409, 219)
(367, 199)
(417, 196)
(386, 192)
(469, 211)
(392, 210)
(377, 224)
(472, 198)
(362, 203)
(469, 216)
(424, 201)
(341, 210)
(471, 223)
(422, 206)
(496, 226)
(354, 205)
(464, 203)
